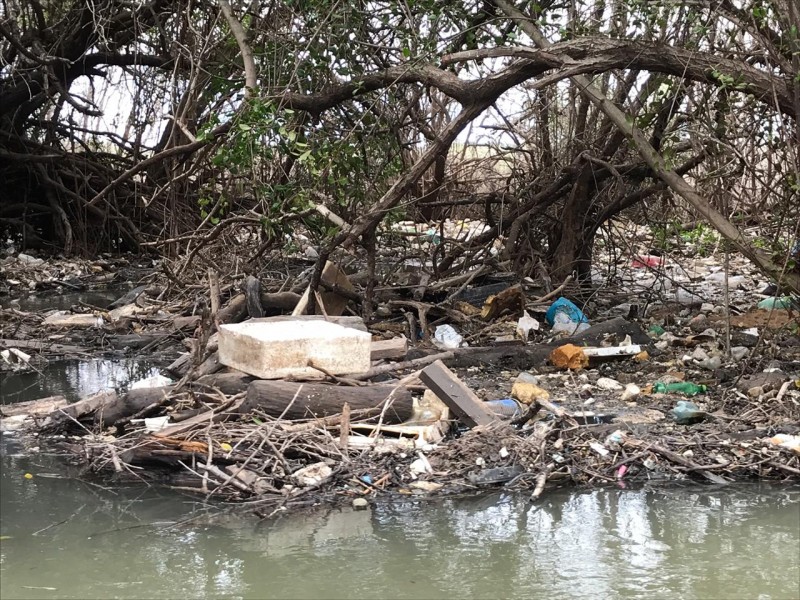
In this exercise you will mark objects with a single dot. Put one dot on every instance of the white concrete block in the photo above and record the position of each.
(283, 349)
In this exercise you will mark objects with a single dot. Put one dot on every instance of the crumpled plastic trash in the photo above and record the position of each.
(151, 382)
(564, 316)
(686, 413)
(790, 442)
(447, 338)
(313, 474)
(153, 424)
(525, 325)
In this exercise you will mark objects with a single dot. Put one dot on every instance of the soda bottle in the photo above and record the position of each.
(686, 388)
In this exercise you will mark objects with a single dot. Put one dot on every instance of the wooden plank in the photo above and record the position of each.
(333, 276)
(392, 348)
(456, 395)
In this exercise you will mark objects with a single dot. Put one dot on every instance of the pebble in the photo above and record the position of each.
(698, 323)
(712, 363)
(739, 353)
(631, 392)
(360, 503)
(606, 383)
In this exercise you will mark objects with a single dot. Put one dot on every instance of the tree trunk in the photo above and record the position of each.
(308, 400)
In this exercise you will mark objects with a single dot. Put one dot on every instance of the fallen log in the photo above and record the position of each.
(131, 403)
(135, 340)
(93, 406)
(235, 311)
(308, 400)
(279, 300)
(42, 406)
(227, 383)
(44, 347)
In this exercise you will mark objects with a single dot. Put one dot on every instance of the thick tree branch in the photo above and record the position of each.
(677, 183)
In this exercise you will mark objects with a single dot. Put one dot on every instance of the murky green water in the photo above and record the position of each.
(67, 539)
(62, 538)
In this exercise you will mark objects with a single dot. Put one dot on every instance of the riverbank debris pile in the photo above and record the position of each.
(501, 385)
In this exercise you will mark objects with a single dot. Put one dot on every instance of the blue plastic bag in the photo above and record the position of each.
(562, 305)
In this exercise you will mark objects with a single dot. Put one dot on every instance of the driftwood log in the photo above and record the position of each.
(321, 400)
(131, 403)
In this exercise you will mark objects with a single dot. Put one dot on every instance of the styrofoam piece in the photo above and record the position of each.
(285, 348)
(629, 350)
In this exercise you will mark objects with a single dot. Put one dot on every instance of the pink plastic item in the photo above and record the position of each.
(640, 261)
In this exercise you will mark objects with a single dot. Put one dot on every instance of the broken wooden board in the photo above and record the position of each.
(509, 301)
(333, 304)
(424, 434)
(469, 409)
(391, 348)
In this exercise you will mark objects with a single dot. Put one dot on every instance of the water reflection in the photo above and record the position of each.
(74, 379)
(64, 538)
(691, 542)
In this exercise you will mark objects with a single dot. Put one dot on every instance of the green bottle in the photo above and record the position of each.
(684, 387)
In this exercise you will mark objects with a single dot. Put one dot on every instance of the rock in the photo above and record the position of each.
(698, 323)
(606, 383)
(739, 353)
(360, 504)
(766, 381)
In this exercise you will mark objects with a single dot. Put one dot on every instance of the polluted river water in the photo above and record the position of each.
(64, 537)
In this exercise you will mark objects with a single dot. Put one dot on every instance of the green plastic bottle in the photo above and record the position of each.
(683, 387)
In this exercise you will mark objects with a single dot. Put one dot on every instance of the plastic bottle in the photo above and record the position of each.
(683, 387)
(505, 407)
(686, 413)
